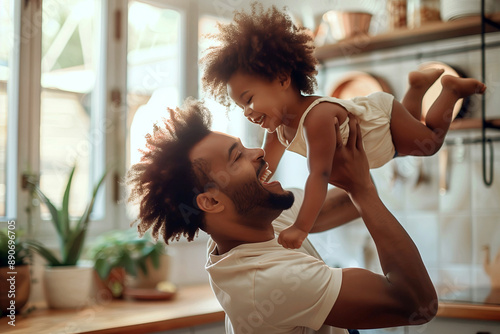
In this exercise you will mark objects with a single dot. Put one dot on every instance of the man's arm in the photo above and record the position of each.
(404, 294)
(337, 210)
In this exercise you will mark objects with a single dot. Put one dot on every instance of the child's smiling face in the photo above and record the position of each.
(263, 101)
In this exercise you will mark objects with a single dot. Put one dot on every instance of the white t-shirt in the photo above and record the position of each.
(265, 288)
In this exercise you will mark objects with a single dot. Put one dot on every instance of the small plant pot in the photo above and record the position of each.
(154, 275)
(67, 287)
(16, 289)
(113, 285)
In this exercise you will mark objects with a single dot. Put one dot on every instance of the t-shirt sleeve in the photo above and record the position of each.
(299, 292)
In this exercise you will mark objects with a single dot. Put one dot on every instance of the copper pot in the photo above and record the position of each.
(345, 25)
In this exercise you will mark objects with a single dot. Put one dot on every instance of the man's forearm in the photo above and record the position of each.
(399, 257)
(337, 210)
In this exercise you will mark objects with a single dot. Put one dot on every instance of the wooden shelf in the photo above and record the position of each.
(432, 32)
(474, 123)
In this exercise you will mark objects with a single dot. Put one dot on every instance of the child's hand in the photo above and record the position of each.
(292, 237)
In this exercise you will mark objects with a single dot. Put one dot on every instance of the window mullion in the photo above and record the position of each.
(29, 37)
(114, 103)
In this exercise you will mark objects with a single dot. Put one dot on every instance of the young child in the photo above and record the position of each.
(266, 66)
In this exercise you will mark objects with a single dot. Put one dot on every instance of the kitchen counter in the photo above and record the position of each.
(193, 306)
(469, 311)
(480, 303)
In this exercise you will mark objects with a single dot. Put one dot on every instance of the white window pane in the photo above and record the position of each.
(153, 69)
(70, 60)
(230, 121)
(6, 63)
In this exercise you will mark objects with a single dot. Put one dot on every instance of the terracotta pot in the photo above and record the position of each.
(67, 287)
(15, 288)
(113, 285)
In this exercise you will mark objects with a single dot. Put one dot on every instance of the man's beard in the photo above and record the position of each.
(251, 198)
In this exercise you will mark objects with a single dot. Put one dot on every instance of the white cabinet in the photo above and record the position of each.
(216, 328)
(391, 330)
(176, 331)
(436, 326)
(456, 326)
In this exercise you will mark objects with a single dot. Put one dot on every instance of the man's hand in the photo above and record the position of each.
(350, 169)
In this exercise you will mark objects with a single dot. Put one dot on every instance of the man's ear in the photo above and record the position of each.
(285, 80)
(208, 202)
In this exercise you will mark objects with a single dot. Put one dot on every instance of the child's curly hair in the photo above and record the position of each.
(263, 42)
(165, 183)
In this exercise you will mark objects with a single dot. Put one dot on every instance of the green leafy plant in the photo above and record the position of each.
(125, 249)
(71, 235)
(19, 254)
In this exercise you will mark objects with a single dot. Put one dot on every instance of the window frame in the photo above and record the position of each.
(110, 102)
(28, 100)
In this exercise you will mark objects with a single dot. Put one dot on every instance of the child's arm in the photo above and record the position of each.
(274, 151)
(321, 128)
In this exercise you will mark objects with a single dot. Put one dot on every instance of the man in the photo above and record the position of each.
(191, 178)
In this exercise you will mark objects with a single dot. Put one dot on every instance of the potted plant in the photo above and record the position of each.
(118, 253)
(66, 284)
(14, 257)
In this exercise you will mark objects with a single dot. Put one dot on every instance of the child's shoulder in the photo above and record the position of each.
(326, 107)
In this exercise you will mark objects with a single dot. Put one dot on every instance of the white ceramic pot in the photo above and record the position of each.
(67, 287)
(456, 9)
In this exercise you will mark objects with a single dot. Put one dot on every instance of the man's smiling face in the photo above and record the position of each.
(238, 173)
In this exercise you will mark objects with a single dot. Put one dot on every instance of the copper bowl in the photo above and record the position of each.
(345, 25)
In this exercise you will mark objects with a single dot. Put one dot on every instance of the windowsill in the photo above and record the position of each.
(193, 306)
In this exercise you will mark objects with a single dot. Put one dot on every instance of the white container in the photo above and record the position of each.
(456, 9)
(67, 287)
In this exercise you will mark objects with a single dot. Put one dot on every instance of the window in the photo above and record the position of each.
(229, 121)
(153, 69)
(61, 85)
(70, 116)
(7, 109)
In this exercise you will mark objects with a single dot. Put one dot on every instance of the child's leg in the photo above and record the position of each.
(440, 113)
(411, 137)
(419, 82)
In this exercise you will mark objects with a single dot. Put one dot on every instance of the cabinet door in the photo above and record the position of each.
(176, 331)
(456, 326)
(392, 330)
(217, 328)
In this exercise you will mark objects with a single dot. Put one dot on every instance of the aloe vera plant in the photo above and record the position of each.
(71, 235)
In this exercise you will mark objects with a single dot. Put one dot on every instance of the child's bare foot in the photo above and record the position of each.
(425, 78)
(462, 87)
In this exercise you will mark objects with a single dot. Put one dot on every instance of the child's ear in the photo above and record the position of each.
(285, 80)
(208, 202)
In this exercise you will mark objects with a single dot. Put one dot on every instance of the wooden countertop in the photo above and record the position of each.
(193, 306)
(469, 311)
